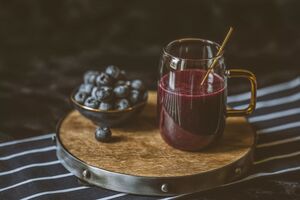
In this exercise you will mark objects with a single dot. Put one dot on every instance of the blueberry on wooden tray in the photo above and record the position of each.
(103, 134)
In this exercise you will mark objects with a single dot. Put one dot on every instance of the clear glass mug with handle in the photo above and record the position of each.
(192, 115)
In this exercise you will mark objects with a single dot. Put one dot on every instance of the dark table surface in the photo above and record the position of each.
(45, 46)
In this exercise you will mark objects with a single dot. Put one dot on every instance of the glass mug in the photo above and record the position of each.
(192, 116)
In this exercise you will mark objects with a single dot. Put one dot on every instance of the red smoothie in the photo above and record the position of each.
(191, 116)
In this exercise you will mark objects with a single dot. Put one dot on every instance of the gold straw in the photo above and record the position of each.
(216, 58)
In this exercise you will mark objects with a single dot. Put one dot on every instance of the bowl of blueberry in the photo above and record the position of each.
(108, 98)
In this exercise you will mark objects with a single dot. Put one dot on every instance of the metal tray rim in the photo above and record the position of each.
(145, 185)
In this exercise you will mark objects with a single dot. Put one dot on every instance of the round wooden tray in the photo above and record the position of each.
(138, 161)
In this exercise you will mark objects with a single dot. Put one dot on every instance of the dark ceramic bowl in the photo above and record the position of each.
(109, 118)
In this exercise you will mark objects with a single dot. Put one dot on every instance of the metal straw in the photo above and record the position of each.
(217, 56)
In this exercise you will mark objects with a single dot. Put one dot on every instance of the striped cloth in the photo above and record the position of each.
(29, 168)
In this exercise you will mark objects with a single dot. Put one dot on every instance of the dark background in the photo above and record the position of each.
(45, 46)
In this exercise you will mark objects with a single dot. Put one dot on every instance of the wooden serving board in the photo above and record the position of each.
(137, 148)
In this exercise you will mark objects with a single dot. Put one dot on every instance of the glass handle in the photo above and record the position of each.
(240, 73)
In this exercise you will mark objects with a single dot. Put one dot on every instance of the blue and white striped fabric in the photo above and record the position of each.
(29, 168)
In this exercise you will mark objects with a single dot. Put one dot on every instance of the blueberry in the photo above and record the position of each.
(87, 88)
(91, 102)
(122, 104)
(113, 71)
(121, 91)
(106, 106)
(80, 97)
(104, 93)
(134, 96)
(90, 77)
(95, 88)
(103, 79)
(138, 85)
(103, 134)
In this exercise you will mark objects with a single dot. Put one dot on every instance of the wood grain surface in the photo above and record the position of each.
(137, 148)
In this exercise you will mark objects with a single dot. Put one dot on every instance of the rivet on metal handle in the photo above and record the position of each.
(86, 174)
(165, 187)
